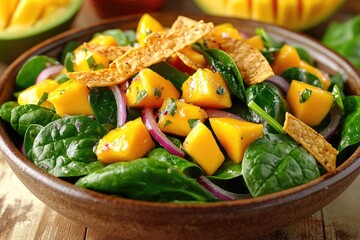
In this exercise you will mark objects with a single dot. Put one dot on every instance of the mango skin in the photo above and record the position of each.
(24, 40)
(235, 135)
(179, 122)
(315, 108)
(201, 146)
(71, 98)
(128, 142)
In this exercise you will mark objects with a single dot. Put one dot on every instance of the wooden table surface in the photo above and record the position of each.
(23, 216)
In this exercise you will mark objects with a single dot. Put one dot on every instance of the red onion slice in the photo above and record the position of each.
(334, 124)
(49, 72)
(215, 113)
(280, 82)
(121, 105)
(219, 192)
(151, 125)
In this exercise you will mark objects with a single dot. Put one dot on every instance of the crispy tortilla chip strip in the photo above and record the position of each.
(189, 62)
(162, 46)
(180, 23)
(252, 65)
(100, 78)
(312, 141)
(109, 52)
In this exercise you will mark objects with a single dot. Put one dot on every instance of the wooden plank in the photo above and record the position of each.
(23, 216)
(342, 216)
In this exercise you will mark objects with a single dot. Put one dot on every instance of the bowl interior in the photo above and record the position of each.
(143, 220)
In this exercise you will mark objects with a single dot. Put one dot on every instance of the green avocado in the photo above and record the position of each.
(12, 44)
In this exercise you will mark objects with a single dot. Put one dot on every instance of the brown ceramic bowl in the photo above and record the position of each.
(131, 219)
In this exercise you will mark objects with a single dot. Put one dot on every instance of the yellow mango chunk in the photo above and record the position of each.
(33, 94)
(7, 8)
(27, 13)
(263, 10)
(286, 58)
(192, 58)
(85, 60)
(206, 89)
(201, 146)
(128, 142)
(71, 98)
(308, 103)
(147, 24)
(235, 135)
(177, 117)
(227, 30)
(149, 89)
(256, 42)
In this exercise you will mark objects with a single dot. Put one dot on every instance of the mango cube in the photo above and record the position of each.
(309, 103)
(128, 142)
(207, 89)
(149, 89)
(177, 117)
(201, 145)
(34, 93)
(71, 98)
(235, 135)
(147, 24)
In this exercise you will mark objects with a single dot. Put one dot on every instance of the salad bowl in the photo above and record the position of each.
(135, 219)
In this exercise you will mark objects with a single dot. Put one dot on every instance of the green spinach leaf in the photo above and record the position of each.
(65, 147)
(305, 55)
(146, 179)
(31, 132)
(271, 46)
(189, 168)
(269, 98)
(6, 108)
(28, 73)
(24, 115)
(302, 75)
(103, 104)
(350, 132)
(276, 162)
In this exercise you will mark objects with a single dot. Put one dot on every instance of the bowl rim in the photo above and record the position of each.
(71, 10)
(350, 166)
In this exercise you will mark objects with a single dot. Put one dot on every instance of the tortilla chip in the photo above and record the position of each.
(252, 65)
(100, 78)
(312, 141)
(160, 46)
(109, 52)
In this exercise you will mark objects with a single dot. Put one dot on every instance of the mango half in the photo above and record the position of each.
(28, 22)
(292, 14)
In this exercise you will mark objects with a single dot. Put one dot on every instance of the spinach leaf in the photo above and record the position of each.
(24, 115)
(131, 36)
(276, 162)
(65, 147)
(28, 73)
(302, 75)
(189, 168)
(269, 98)
(167, 71)
(271, 46)
(350, 132)
(224, 64)
(103, 105)
(304, 55)
(6, 108)
(69, 61)
(146, 179)
(30, 135)
(119, 36)
(345, 39)
(69, 47)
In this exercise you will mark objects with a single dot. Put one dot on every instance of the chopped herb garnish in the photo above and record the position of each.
(140, 95)
(171, 107)
(220, 90)
(91, 62)
(168, 122)
(43, 98)
(193, 122)
(157, 92)
(305, 95)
